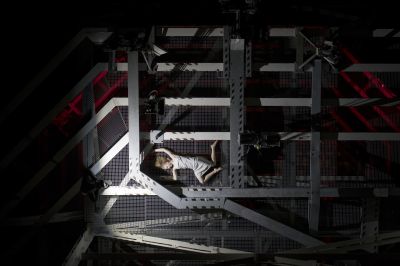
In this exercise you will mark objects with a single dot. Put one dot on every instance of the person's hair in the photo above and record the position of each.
(160, 161)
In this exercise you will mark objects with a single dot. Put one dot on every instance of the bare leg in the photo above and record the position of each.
(200, 178)
(211, 174)
(213, 157)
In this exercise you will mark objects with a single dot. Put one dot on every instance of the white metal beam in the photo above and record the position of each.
(315, 149)
(342, 136)
(271, 224)
(190, 32)
(269, 67)
(306, 102)
(47, 70)
(282, 32)
(349, 245)
(168, 221)
(133, 115)
(373, 68)
(52, 163)
(34, 132)
(293, 136)
(227, 192)
(169, 243)
(126, 191)
(57, 218)
(75, 255)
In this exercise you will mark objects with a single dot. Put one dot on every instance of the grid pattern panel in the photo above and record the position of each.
(345, 214)
(110, 130)
(183, 42)
(127, 209)
(118, 167)
(196, 118)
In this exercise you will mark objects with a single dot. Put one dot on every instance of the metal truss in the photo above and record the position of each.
(289, 192)
(315, 148)
(349, 245)
(57, 158)
(96, 35)
(269, 67)
(213, 198)
(74, 257)
(285, 136)
(57, 218)
(306, 102)
(34, 132)
(169, 243)
(370, 222)
(271, 224)
(166, 221)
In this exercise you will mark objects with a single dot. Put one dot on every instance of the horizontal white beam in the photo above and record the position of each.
(343, 136)
(226, 192)
(373, 68)
(125, 191)
(196, 136)
(201, 67)
(248, 101)
(270, 67)
(279, 101)
(282, 32)
(294, 136)
(190, 32)
(377, 33)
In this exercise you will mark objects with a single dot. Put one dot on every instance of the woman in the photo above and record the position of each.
(203, 168)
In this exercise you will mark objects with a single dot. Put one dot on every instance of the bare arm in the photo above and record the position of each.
(174, 174)
(168, 152)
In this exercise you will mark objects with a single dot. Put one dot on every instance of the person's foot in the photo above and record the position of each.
(216, 170)
(214, 144)
(107, 183)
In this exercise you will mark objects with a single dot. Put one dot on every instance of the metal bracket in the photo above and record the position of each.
(156, 136)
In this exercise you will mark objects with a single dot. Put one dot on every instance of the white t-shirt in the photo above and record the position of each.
(199, 165)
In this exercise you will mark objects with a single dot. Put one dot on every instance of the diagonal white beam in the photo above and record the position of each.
(57, 218)
(52, 163)
(169, 243)
(75, 255)
(46, 71)
(349, 245)
(34, 132)
(166, 221)
(271, 224)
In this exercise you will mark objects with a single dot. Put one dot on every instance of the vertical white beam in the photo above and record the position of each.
(133, 115)
(237, 119)
(315, 171)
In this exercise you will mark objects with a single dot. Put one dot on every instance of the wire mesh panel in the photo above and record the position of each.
(110, 130)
